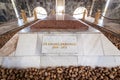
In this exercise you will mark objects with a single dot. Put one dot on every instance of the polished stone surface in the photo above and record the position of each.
(103, 61)
(59, 44)
(92, 44)
(58, 60)
(60, 22)
(21, 62)
(1, 59)
(108, 47)
(60, 17)
(94, 49)
(10, 46)
(26, 44)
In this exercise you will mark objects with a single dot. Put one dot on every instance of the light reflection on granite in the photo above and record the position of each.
(60, 22)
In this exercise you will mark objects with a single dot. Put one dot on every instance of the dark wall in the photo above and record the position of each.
(99, 5)
(71, 5)
(6, 11)
(48, 5)
(5, 1)
(113, 11)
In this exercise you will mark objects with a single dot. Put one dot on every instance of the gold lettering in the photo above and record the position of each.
(55, 46)
(63, 46)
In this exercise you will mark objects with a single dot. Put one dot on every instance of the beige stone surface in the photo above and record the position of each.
(9, 47)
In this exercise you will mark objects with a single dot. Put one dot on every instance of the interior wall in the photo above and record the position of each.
(98, 5)
(6, 11)
(113, 11)
(60, 4)
(71, 5)
(48, 5)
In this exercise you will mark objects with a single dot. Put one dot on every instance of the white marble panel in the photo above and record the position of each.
(88, 61)
(92, 44)
(80, 45)
(59, 44)
(108, 47)
(103, 61)
(108, 61)
(21, 62)
(1, 59)
(39, 44)
(58, 60)
(117, 60)
(26, 45)
(13, 53)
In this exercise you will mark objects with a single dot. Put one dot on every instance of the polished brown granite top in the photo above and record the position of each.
(60, 22)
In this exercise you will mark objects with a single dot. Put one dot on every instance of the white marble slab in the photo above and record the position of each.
(39, 44)
(88, 61)
(117, 60)
(92, 44)
(26, 45)
(80, 45)
(58, 61)
(108, 47)
(21, 62)
(1, 59)
(102, 61)
(59, 44)
(107, 61)
(13, 53)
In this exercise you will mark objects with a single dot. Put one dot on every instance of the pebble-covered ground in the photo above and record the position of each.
(61, 73)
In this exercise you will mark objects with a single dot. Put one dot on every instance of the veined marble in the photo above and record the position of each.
(93, 49)
(59, 44)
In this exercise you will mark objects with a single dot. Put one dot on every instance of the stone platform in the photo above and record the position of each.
(90, 49)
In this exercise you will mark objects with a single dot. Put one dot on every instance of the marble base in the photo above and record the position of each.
(85, 44)
(93, 49)
(26, 44)
(21, 62)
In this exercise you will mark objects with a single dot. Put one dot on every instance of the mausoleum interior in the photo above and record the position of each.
(59, 39)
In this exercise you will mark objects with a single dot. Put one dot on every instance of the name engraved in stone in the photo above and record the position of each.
(59, 44)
